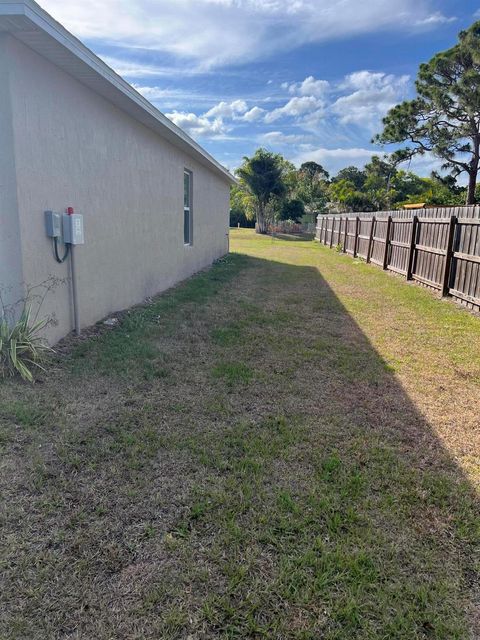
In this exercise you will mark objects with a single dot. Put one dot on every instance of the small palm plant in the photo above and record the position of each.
(23, 349)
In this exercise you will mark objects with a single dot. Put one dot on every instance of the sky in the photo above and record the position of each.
(310, 79)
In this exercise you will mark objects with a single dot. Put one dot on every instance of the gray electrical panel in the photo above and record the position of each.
(73, 228)
(53, 224)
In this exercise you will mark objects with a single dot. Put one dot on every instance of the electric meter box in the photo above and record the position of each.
(73, 228)
(53, 224)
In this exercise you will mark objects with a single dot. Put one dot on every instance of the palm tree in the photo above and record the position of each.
(261, 175)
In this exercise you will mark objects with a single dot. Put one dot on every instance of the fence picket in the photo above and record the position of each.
(411, 251)
(355, 240)
(448, 256)
(370, 239)
(387, 243)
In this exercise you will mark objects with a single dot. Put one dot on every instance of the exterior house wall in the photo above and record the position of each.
(74, 148)
(11, 274)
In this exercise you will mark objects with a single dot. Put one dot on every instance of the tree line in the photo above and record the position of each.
(443, 120)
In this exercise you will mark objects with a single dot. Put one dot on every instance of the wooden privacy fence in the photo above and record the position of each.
(439, 248)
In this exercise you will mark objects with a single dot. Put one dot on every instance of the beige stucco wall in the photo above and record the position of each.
(11, 272)
(74, 148)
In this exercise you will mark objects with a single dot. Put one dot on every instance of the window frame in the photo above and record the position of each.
(187, 208)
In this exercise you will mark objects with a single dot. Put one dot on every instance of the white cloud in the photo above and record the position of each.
(280, 138)
(335, 159)
(372, 96)
(354, 153)
(434, 19)
(217, 121)
(254, 114)
(171, 98)
(198, 126)
(158, 93)
(295, 107)
(151, 93)
(215, 32)
(362, 80)
(228, 109)
(131, 69)
(309, 87)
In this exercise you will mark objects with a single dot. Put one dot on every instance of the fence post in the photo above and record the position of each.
(332, 231)
(387, 240)
(370, 239)
(355, 240)
(413, 243)
(345, 235)
(321, 229)
(448, 256)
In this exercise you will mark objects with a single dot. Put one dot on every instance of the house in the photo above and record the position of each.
(154, 204)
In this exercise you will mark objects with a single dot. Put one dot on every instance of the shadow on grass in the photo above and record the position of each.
(321, 504)
(291, 237)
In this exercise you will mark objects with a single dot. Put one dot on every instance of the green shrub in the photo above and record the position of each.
(22, 348)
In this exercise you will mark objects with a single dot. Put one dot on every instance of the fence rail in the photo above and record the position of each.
(438, 248)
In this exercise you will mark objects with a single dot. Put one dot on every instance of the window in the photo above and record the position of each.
(187, 207)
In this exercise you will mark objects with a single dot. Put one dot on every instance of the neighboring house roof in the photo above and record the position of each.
(33, 26)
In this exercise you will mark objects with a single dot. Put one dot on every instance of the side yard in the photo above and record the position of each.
(274, 449)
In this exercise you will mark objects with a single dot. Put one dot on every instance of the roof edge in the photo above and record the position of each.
(30, 15)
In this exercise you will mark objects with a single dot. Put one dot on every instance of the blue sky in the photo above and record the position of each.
(310, 79)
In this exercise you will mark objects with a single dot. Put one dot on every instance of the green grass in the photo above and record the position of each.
(283, 447)
(25, 415)
(134, 343)
(233, 373)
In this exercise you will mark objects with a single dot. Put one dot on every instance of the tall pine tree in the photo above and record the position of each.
(444, 118)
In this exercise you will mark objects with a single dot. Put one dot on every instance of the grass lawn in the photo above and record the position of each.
(285, 446)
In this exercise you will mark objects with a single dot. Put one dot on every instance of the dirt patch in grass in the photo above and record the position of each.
(285, 446)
